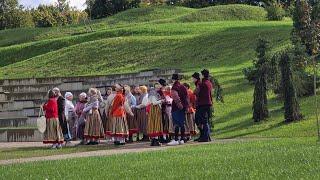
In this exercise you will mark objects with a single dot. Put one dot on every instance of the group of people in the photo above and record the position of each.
(164, 113)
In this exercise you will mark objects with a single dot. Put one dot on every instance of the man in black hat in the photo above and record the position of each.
(180, 105)
(204, 103)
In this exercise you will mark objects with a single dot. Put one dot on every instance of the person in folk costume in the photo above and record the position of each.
(169, 128)
(103, 111)
(53, 133)
(180, 105)
(118, 112)
(61, 113)
(190, 123)
(93, 130)
(109, 123)
(142, 112)
(81, 117)
(132, 123)
(136, 94)
(204, 103)
(155, 127)
(165, 121)
(70, 114)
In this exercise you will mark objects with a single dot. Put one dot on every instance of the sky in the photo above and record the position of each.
(79, 4)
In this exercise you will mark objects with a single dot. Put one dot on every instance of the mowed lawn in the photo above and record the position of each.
(286, 158)
(128, 43)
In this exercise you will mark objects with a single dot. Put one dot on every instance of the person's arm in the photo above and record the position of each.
(128, 109)
(88, 108)
(133, 101)
(144, 103)
(176, 99)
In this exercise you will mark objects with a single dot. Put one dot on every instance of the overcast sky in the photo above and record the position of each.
(79, 4)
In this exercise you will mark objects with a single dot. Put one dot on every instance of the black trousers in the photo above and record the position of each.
(202, 118)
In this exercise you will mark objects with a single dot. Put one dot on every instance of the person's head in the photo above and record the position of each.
(195, 77)
(56, 92)
(68, 96)
(186, 85)
(205, 73)
(157, 86)
(136, 90)
(162, 82)
(175, 77)
(93, 92)
(118, 88)
(51, 94)
(127, 89)
(82, 96)
(108, 91)
(143, 89)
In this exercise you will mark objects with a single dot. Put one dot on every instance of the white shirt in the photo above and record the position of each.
(68, 107)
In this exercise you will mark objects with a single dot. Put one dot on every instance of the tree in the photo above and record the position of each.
(291, 105)
(260, 101)
(63, 5)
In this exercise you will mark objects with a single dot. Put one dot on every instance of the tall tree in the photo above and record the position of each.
(63, 5)
(260, 101)
(291, 105)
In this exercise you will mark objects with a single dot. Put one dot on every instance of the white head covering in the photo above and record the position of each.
(68, 94)
(83, 94)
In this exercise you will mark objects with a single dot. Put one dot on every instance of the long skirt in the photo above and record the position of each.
(81, 124)
(53, 133)
(190, 124)
(142, 119)
(133, 123)
(155, 127)
(170, 125)
(93, 128)
(120, 127)
(109, 125)
(71, 119)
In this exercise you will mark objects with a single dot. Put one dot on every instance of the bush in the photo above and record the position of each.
(275, 12)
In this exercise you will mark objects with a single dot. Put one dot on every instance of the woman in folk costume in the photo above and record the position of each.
(53, 133)
(155, 128)
(132, 123)
(165, 121)
(142, 112)
(136, 94)
(190, 120)
(93, 130)
(80, 123)
(70, 115)
(118, 112)
(169, 128)
(108, 120)
(103, 110)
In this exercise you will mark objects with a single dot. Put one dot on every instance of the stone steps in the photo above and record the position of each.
(19, 121)
(20, 134)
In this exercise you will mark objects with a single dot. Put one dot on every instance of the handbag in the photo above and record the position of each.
(41, 121)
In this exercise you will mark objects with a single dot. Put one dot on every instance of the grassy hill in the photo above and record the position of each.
(220, 38)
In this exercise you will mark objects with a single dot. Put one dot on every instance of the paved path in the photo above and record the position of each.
(129, 148)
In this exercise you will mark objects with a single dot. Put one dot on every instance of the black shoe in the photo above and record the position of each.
(116, 143)
(137, 138)
(204, 140)
(155, 143)
(95, 143)
(89, 143)
(145, 139)
(130, 140)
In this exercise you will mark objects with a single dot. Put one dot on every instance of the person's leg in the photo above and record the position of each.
(198, 120)
(205, 123)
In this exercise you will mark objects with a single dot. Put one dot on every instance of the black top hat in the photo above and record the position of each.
(205, 73)
(162, 82)
(196, 75)
(175, 77)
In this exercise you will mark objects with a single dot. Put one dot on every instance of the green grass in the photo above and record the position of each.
(261, 159)
(16, 153)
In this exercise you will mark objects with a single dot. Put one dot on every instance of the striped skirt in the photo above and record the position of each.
(108, 125)
(119, 127)
(93, 128)
(155, 127)
(53, 133)
(190, 124)
(142, 119)
(133, 123)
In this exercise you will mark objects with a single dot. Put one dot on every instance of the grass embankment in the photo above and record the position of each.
(264, 159)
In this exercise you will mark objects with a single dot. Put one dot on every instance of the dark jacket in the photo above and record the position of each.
(61, 104)
(180, 97)
(204, 93)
